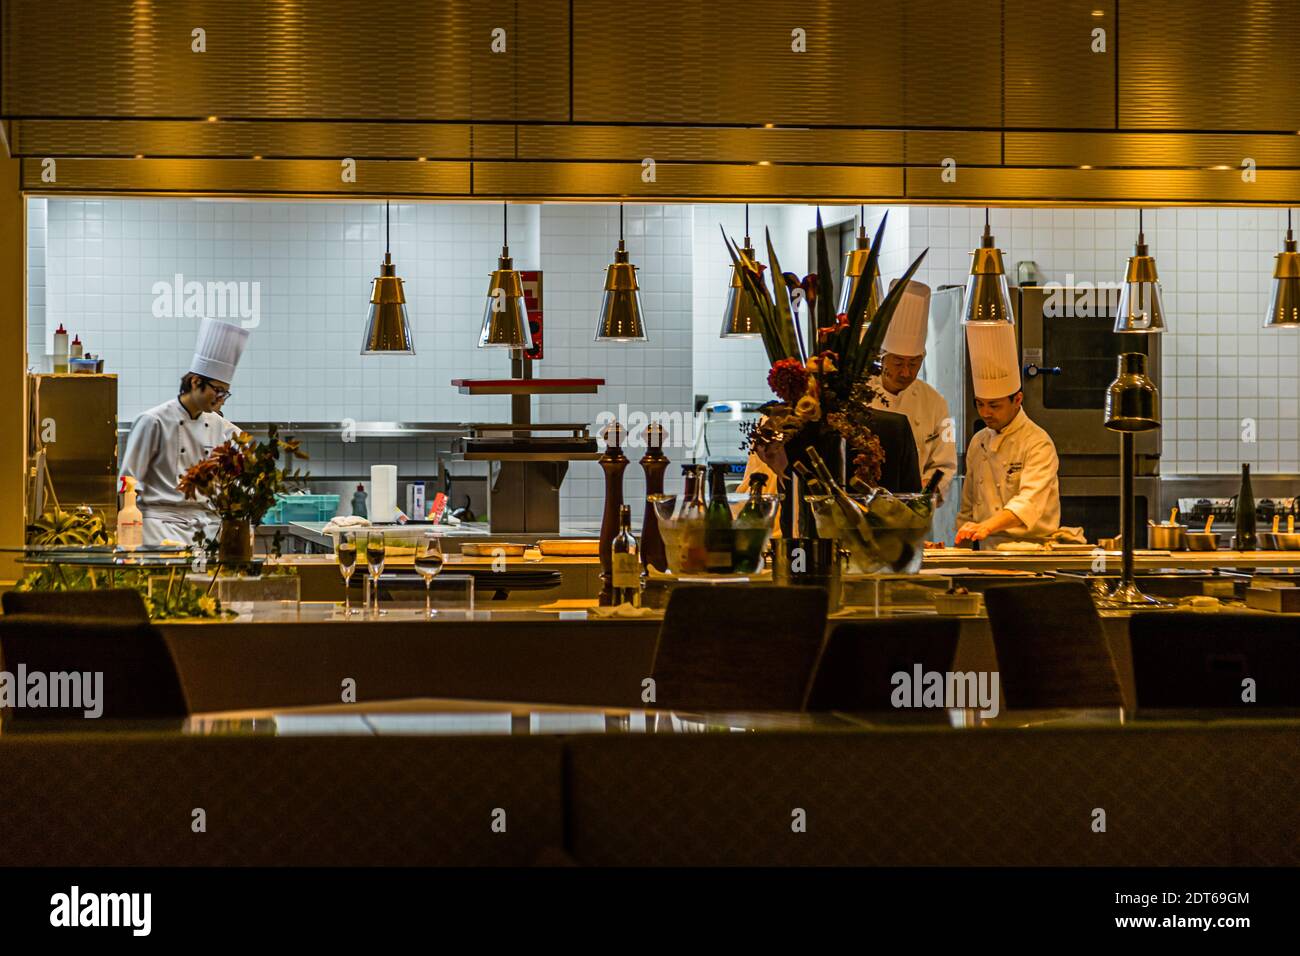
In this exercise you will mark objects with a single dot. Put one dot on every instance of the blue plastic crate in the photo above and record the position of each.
(289, 508)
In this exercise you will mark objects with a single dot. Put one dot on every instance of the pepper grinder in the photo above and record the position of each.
(613, 462)
(654, 463)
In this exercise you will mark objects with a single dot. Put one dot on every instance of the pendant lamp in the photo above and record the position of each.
(1284, 305)
(505, 316)
(740, 319)
(1141, 308)
(620, 309)
(988, 300)
(388, 327)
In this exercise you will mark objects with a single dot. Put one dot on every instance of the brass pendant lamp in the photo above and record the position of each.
(1141, 307)
(1284, 304)
(855, 261)
(388, 327)
(988, 300)
(620, 309)
(740, 318)
(505, 315)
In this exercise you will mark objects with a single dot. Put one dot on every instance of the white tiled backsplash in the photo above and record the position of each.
(93, 265)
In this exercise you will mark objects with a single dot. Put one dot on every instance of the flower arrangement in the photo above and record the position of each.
(242, 477)
(820, 381)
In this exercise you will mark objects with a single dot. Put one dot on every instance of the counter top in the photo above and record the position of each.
(942, 559)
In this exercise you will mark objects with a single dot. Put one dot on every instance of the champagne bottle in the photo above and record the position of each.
(753, 510)
(1245, 513)
(718, 539)
(751, 528)
(626, 561)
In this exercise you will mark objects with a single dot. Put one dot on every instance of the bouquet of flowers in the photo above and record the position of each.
(242, 477)
(821, 383)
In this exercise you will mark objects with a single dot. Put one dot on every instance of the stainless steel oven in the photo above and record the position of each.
(1068, 351)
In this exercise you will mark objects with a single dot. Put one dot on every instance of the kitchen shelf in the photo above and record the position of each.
(526, 456)
(527, 386)
(358, 429)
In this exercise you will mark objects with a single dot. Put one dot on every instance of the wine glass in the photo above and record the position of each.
(346, 552)
(428, 562)
(375, 563)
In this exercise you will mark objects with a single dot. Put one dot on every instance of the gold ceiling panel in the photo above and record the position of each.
(1209, 65)
(932, 147)
(708, 144)
(1201, 150)
(952, 63)
(240, 139)
(306, 59)
(734, 64)
(687, 181)
(270, 176)
(1053, 77)
(1149, 186)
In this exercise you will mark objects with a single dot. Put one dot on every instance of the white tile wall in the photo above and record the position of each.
(313, 263)
(37, 344)
(654, 377)
(93, 264)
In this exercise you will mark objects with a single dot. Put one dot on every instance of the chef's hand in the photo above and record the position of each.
(972, 531)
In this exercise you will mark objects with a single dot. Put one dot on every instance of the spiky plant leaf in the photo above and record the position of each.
(784, 310)
(825, 308)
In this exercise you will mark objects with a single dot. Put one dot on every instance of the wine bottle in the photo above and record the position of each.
(626, 561)
(1245, 540)
(692, 493)
(718, 539)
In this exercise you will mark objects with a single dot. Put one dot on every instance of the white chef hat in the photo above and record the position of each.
(911, 321)
(994, 360)
(218, 350)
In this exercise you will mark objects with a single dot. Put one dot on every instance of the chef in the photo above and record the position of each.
(1011, 492)
(899, 390)
(172, 437)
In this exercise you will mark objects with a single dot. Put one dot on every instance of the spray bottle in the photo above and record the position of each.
(130, 523)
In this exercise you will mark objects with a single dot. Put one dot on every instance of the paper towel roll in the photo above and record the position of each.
(383, 493)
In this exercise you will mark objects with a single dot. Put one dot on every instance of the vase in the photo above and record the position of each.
(235, 541)
(829, 446)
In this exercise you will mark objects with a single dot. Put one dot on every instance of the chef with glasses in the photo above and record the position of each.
(167, 440)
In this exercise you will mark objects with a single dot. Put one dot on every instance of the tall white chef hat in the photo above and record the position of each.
(994, 360)
(911, 321)
(218, 350)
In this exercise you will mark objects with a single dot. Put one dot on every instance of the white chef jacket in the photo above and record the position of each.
(927, 411)
(1015, 469)
(166, 442)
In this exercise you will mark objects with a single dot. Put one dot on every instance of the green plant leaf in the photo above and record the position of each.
(825, 308)
(784, 310)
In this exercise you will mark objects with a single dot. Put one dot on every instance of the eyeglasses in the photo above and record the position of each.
(221, 393)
